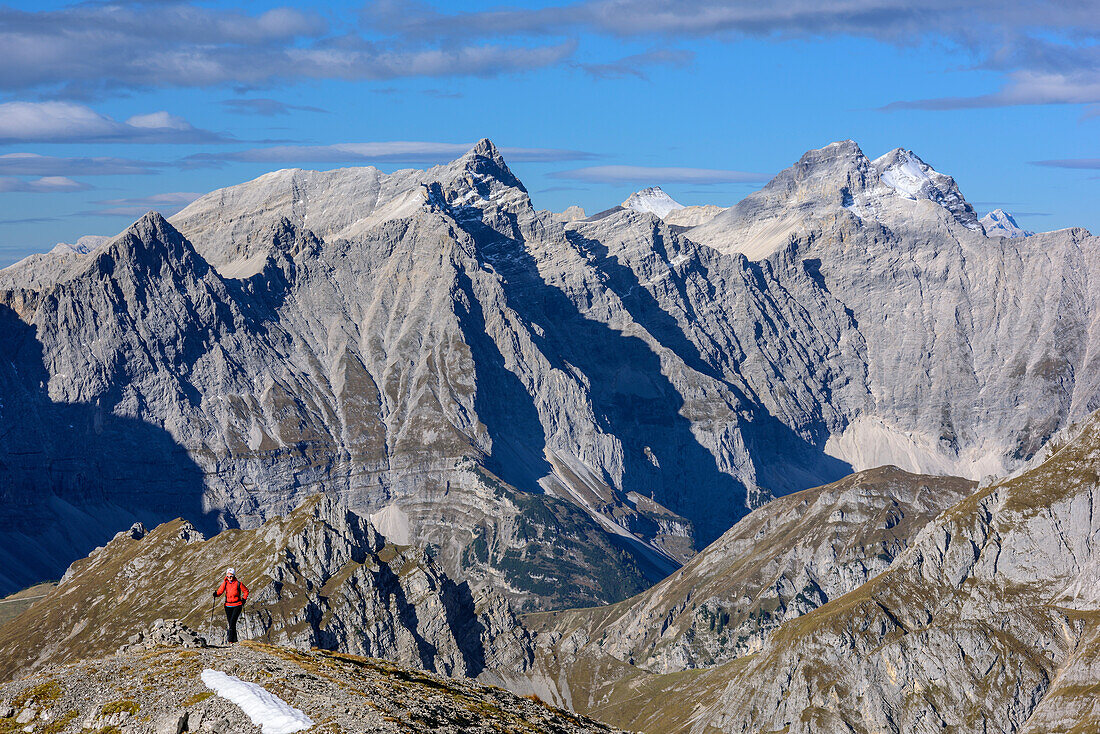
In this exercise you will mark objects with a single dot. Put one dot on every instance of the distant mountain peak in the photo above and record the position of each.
(653, 200)
(910, 177)
(999, 223)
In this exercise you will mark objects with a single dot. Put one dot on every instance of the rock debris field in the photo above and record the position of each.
(159, 688)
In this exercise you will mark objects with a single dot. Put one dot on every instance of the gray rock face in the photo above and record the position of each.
(983, 625)
(963, 332)
(565, 412)
(570, 214)
(693, 216)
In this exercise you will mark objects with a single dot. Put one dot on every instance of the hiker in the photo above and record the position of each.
(235, 594)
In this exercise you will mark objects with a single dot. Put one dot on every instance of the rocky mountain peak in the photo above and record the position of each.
(485, 160)
(999, 223)
(485, 149)
(145, 244)
(838, 167)
(910, 177)
(653, 200)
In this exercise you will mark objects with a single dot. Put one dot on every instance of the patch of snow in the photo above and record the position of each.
(265, 709)
(653, 200)
(907, 177)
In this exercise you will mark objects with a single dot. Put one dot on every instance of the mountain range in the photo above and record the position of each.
(563, 411)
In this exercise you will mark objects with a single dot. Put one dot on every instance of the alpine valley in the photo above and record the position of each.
(822, 461)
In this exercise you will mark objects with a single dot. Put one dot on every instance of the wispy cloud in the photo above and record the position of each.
(636, 64)
(24, 220)
(658, 175)
(44, 185)
(1088, 164)
(33, 164)
(167, 204)
(265, 107)
(68, 122)
(1043, 48)
(92, 48)
(378, 152)
(899, 21)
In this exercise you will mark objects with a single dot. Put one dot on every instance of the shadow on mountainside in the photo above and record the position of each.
(804, 465)
(630, 396)
(73, 475)
(502, 402)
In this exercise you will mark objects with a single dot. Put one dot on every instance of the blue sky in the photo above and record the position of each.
(110, 109)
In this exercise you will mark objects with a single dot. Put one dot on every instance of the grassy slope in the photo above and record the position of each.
(15, 604)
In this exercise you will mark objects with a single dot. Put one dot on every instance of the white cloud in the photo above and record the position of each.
(1043, 48)
(376, 152)
(43, 185)
(66, 122)
(159, 121)
(166, 203)
(33, 164)
(1079, 163)
(88, 48)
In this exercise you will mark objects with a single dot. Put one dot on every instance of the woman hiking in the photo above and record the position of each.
(235, 594)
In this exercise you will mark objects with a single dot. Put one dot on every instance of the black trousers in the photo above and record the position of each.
(232, 614)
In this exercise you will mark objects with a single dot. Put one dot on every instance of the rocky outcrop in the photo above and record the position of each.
(570, 214)
(161, 690)
(320, 577)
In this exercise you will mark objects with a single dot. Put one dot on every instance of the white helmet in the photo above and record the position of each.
(230, 571)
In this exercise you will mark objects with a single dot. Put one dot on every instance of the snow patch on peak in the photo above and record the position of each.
(653, 200)
(82, 246)
(906, 173)
(911, 178)
(999, 223)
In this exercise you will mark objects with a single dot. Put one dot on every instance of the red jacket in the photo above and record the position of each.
(235, 592)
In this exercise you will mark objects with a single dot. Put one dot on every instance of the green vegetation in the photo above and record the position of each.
(59, 724)
(197, 698)
(39, 695)
(118, 707)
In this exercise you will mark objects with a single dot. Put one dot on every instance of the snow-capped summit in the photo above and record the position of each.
(82, 246)
(653, 200)
(999, 223)
(910, 177)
